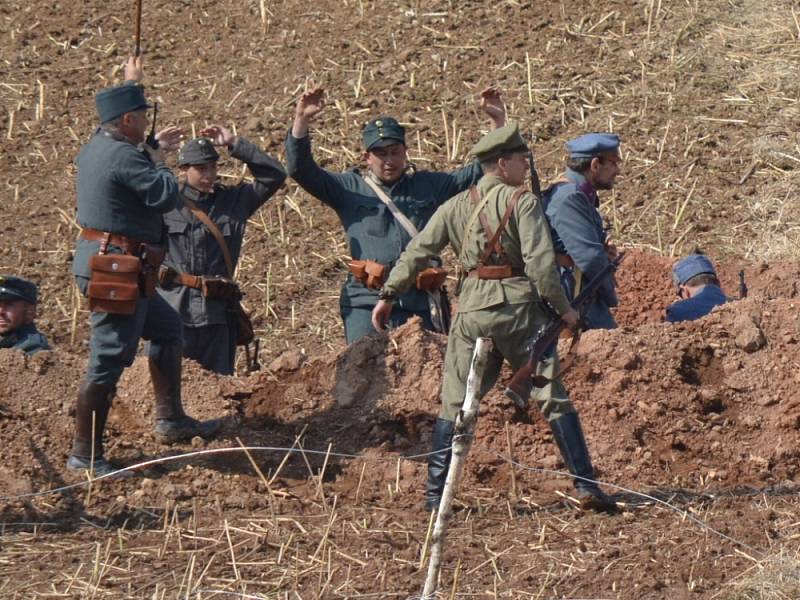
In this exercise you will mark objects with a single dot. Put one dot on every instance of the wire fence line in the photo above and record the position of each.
(294, 450)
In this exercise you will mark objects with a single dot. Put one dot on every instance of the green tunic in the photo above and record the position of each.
(508, 310)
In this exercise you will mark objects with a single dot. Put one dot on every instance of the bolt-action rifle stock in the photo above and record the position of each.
(525, 379)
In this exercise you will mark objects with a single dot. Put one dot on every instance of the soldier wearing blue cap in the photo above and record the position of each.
(195, 260)
(124, 188)
(502, 285)
(698, 288)
(579, 237)
(373, 231)
(17, 313)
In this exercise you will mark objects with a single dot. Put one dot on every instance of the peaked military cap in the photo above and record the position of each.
(691, 266)
(197, 151)
(500, 141)
(593, 144)
(17, 288)
(113, 102)
(383, 131)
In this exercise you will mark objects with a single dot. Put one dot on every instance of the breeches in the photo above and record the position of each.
(511, 328)
(115, 338)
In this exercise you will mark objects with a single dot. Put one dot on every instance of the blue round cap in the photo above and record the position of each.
(17, 288)
(691, 266)
(113, 102)
(593, 144)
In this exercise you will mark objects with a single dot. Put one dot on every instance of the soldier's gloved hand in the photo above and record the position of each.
(380, 314)
(219, 135)
(571, 318)
(169, 138)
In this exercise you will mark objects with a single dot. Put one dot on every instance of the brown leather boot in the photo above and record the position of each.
(172, 424)
(94, 402)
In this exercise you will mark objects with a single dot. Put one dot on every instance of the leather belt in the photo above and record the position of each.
(473, 274)
(192, 281)
(565, 260)
(129, 245)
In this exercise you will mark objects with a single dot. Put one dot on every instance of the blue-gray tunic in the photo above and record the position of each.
(193, 249)
(121, 191)
(577, 230)
(25, 338)
(372, 232)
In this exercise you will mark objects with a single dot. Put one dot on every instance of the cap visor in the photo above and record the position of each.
(383, 142)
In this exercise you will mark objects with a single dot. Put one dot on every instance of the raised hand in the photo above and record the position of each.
(133, 69)
(491, 102)
(219, 135)
(170, 138)
(310, 104)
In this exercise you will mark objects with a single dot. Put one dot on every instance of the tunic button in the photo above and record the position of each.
(112, 294)
(115, 266)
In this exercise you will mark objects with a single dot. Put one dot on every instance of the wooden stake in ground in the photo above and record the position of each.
(462, 440)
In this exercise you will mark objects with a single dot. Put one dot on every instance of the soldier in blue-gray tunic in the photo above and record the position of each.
(194, 255)
(698, 288)
(373, 233)
(579, 237)
(17, 312)
(123, 189)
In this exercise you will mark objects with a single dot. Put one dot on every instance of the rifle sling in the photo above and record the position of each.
(214, 230)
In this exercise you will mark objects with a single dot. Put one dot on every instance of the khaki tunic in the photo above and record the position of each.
(509, 310)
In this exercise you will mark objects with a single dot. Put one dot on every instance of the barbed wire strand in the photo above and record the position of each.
(210, 451)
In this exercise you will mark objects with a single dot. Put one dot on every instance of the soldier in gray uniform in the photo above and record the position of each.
(502, 285)
(579, 238)
(372, 232)
(17, 312)
(194, 255)
(123, 189)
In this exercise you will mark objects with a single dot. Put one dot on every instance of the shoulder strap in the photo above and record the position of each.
(494, 245)
(396, 213)
(214, 230)
(480, 202)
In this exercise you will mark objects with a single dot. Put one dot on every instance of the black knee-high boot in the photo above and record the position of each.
(438, 463)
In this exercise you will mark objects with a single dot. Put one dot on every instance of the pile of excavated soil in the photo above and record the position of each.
(710, 404)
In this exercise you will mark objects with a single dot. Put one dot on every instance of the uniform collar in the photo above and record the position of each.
(487, 182)
(583, 185)
(192, 194)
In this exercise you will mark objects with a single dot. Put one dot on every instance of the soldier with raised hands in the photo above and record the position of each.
(205, 241)
(381, 210)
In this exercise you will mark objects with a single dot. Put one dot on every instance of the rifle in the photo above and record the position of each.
(525, 379)
(151, 139)
(137, 35)
(742, 286)
(536, 184)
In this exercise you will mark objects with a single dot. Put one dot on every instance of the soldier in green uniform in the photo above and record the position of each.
(124, 188)
(502, 288)
(373, 232)
(17, 312)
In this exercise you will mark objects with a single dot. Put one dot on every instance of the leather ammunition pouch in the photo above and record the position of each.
(493, 271)
(114, 283)
(371, 274)
(220, 287)
(431, 279)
